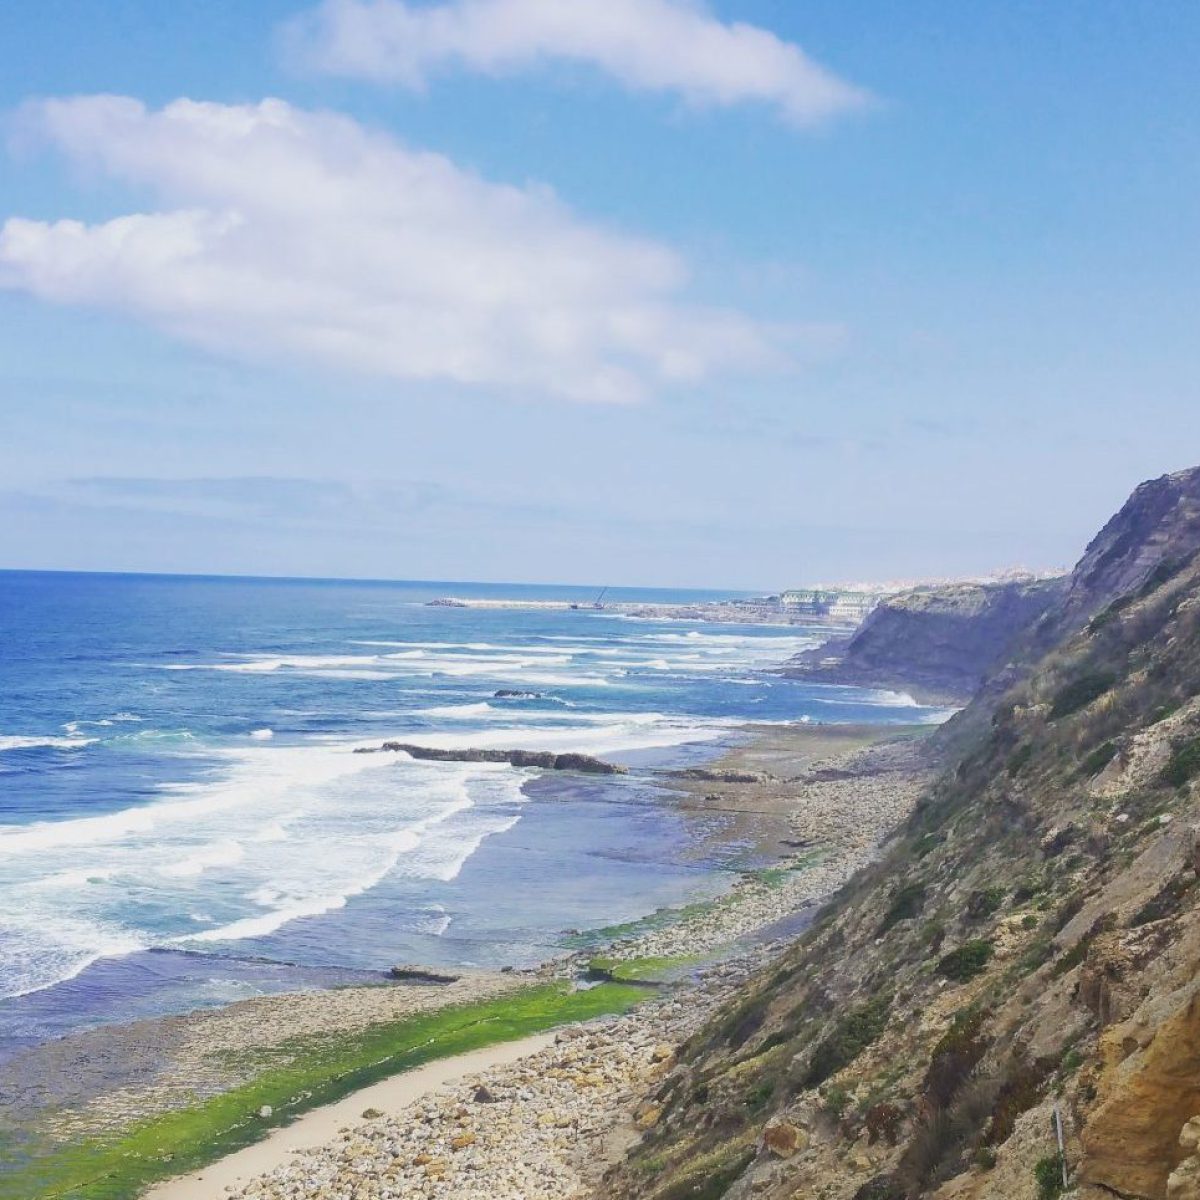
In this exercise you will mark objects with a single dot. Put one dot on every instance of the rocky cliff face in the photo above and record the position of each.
(1027, 947)
(1155, 532)
(946, 643)
(937, 642)
(1157, 528)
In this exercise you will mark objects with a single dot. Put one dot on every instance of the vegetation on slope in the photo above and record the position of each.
(1043, 893)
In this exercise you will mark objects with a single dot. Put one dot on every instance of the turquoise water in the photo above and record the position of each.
(182, 814)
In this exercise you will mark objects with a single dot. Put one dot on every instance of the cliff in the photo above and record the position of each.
(1027, 945)
(944, 643)
(936, 642)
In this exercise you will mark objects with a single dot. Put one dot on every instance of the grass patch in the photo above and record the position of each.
(663, 918)
(774, 877)
(640, 970)
(122, 1166)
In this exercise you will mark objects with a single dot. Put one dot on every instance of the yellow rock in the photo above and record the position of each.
(784, 1139)
(647, 1116)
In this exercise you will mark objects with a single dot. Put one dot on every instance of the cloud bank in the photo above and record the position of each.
(283, 234)
(671, 46)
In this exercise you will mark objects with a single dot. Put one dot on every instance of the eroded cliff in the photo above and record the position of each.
(1028, 945)
(938, 642)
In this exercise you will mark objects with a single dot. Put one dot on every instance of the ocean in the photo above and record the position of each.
(184, 822)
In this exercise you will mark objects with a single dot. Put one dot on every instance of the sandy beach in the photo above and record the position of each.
(322, 1125)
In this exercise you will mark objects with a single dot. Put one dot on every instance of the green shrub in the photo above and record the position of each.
(649, 1166)
(1081, 692)
(847, 1040)
(1048, 1174)
(967, 961)
(836, 1100)
(1166, 903)
(906, 904)
(1073, 957)
(933, 934)
(1106, 616)
(1019, 759)
(955, 1056)
(927, 842)
(1098, 759)
(1028, 887)
(984, 903)
(1183, 765)
(1038, 953)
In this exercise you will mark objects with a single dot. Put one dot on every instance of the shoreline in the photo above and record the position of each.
(570, 1112)
(320, 1125)
(795, 811)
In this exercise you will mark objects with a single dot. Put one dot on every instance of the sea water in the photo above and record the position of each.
(184, 819)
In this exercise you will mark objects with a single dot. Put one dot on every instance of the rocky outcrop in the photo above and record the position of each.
(936, 642)
(408, 973)
(1155, 533)
(709, 775)
(547, 760)
(1184, 1182)
(1154, 536)
(1152, 1090)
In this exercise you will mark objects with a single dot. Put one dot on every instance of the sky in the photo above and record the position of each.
(745, 294)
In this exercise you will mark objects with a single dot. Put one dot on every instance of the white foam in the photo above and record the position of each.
(32, 958)
(18, 741)
(603, 736)
(460, 712)
(275, 835)
(581, 662)
(262, 735)
(218, 854)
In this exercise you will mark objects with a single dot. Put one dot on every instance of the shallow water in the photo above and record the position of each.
(177, 774)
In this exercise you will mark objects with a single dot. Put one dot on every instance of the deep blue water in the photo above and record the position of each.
(181, 809)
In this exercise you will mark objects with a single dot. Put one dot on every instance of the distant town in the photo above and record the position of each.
(842, 606)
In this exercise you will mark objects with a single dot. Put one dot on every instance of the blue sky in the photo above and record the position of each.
(743, 295)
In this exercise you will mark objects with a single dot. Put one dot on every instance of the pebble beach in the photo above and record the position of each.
(545, 1126)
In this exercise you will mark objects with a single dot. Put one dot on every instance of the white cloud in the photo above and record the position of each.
(281, 233)
(648, 45)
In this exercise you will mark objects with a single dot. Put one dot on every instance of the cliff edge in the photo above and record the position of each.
(936, 642)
